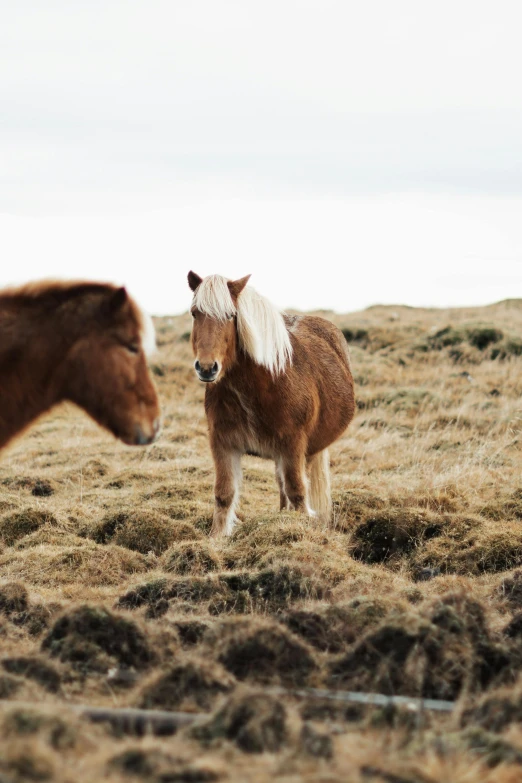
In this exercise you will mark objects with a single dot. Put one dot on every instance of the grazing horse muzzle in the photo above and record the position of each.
(144, 435)
(207, 372)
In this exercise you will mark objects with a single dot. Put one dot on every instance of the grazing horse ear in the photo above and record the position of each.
(117, 299)
(236, 286)
(194, 280)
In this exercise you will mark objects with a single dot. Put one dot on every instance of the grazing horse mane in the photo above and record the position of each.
(261, 328)
(52, 293)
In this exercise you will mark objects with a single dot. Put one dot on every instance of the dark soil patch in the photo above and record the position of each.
(42, 488)
(9, 686)
(496, 711)
(24, 764)
(313, 627)
(511, 589)
(13, 598)
(268, 590)
(156, 765)
(34, 669)
(92, 639)
(490, 748)
(195, 590)
(256, 723)
(36, 618)
(377, 662)
(335, 627)
(187, 685)
(191, 632)
(56, 731)
(16, 526)
(513, 629)
(317, 744)
(386, 535)
(264, 653)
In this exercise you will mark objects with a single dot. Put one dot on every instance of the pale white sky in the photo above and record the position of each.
(344, 153)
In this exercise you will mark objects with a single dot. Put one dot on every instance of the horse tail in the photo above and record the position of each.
(319, 486)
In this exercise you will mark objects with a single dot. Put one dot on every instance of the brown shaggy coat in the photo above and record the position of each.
(82, 342)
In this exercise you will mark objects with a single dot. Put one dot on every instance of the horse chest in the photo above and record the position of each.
(245, 424)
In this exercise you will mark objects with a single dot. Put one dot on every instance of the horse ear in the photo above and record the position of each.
(194, 280)
(117, 299)
(236, 286)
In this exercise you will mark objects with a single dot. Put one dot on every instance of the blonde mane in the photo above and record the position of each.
(261, 327)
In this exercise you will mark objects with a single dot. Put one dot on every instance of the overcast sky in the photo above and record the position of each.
(345, 153)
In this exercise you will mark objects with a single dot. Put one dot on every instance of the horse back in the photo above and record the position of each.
(321, 369)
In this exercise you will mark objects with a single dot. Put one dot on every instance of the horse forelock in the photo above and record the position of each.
(213, 298)
(261, 328)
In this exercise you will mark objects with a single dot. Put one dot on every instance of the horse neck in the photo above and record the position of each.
(31, 348)
(245, 376)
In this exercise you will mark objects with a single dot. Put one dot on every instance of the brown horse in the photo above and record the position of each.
(279, 387)
(83, 342)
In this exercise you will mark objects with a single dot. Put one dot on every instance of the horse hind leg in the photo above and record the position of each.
(284, 502)
(320, 490)
(226, 491)
(296, 483)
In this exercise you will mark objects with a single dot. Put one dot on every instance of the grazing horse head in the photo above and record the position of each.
(78, 341)
(105, 370)
(214, 334)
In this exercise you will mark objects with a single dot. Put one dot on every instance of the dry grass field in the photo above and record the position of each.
(112, 593)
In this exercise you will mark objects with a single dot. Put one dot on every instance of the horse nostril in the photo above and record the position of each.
(197, 365)
(215, 367)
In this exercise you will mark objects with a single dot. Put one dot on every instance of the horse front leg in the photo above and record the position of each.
(295, 482)
(226, 490)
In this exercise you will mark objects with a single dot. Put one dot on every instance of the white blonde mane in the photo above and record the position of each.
(261, 327)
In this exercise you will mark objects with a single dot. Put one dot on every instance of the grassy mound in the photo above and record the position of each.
(333, 628)
(191, 557)
(434, 654)
(13, 598)
(256, 723)
(157, 765)
(263, 652)
(479, 549)
(191, 632)
(93, 639)
(140, 531)
(496, 710)
(268, 590)
(59, 733)
(188, 685)
(510, 589)
(388, 534)
(34, 669)
(16, 526)
(51, 566)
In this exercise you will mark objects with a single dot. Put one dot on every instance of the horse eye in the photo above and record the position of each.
(133, 348)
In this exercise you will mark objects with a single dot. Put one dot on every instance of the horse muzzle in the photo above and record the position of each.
(144, 435)
(207, 374)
